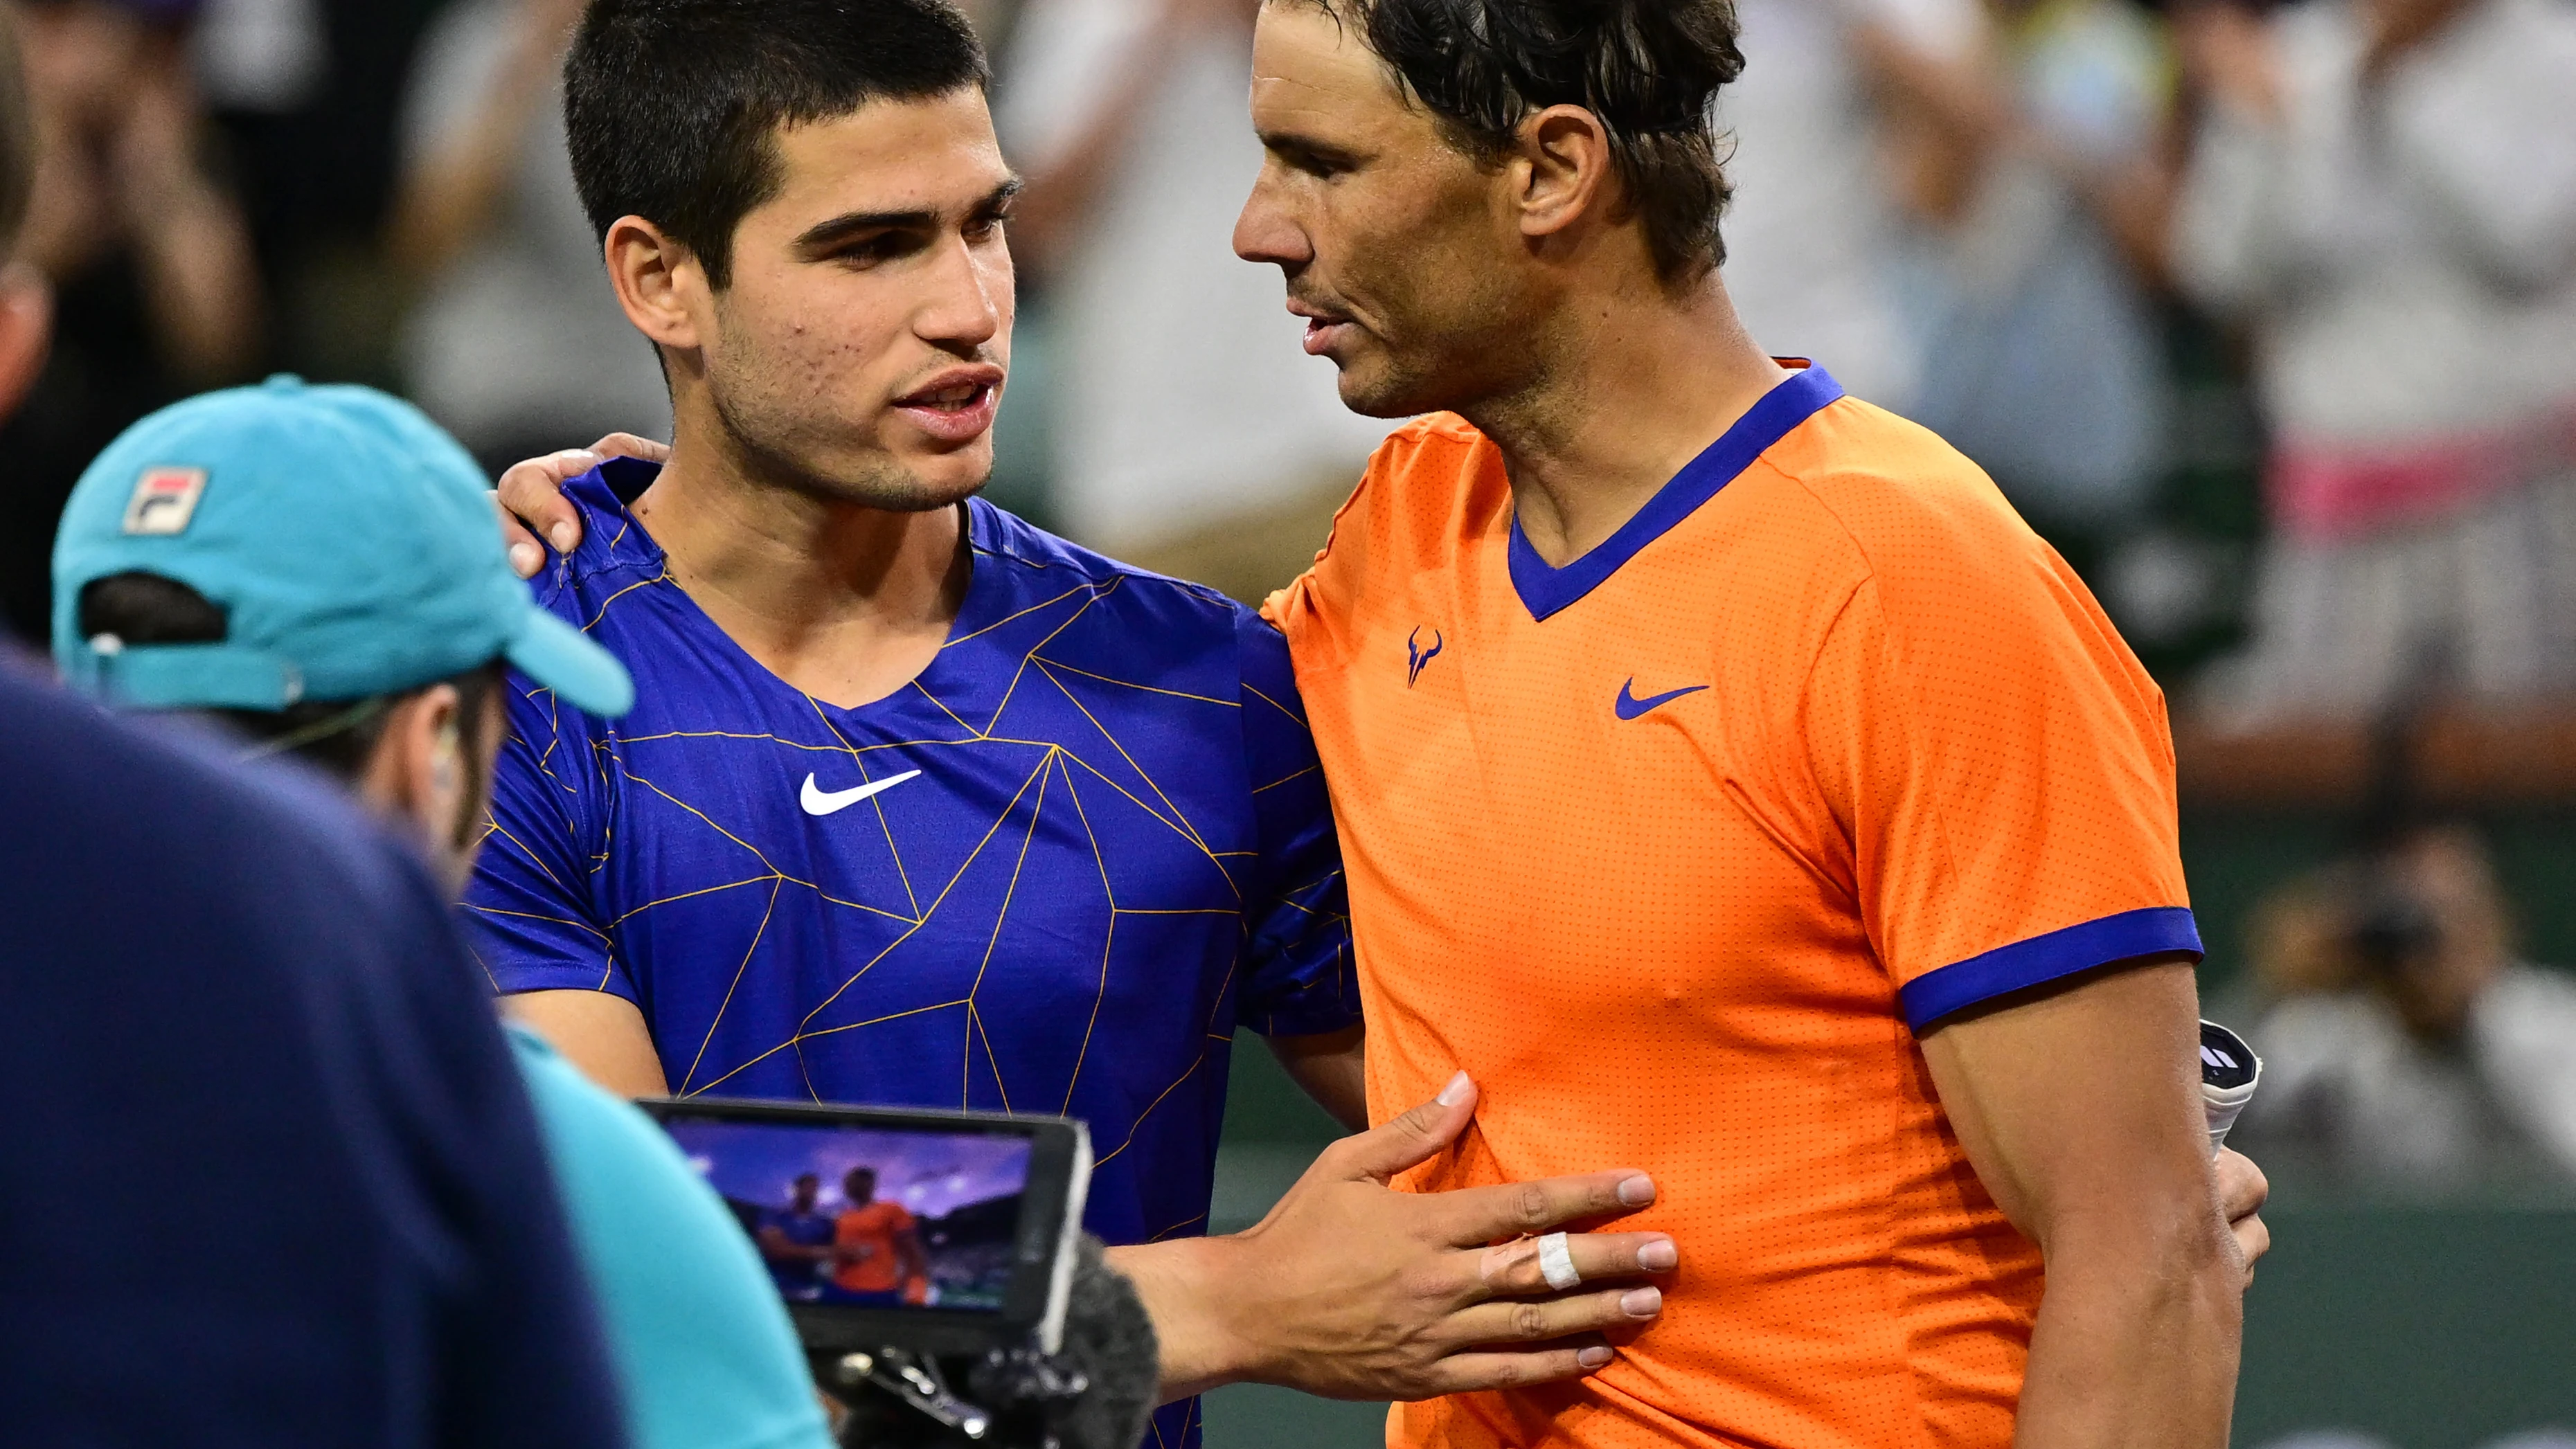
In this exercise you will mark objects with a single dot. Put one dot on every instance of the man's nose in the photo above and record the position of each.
(1264, 231)
(970, 297)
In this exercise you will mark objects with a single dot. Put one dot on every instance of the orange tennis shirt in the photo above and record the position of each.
(868, 1236)
(1676, 848)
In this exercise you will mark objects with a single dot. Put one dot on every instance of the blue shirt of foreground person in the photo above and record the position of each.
(266, 1175)
(319, 565)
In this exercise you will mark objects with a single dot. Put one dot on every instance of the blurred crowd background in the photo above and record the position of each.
(2264, 314)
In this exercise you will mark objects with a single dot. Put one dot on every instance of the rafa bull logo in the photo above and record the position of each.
(1416, 656)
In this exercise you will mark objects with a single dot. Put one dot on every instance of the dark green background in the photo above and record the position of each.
(2430, 1327)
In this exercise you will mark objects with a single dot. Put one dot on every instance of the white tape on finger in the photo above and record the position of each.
(1557, 1263)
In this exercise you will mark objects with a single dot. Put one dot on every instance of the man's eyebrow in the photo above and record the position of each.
(1298, 144)
(823, 234)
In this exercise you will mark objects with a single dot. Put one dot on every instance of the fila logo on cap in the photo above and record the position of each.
(164, 500)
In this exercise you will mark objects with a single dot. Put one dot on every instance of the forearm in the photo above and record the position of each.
(1183, 1287)
(2137, 1339)
(2079, 1109)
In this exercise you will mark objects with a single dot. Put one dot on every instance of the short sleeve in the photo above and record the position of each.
(532, 903)
(1299, 978)
(2001, 767)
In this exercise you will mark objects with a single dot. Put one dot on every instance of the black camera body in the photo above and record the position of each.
(1094, 1392)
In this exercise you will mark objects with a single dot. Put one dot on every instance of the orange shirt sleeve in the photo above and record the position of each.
(2000, 765)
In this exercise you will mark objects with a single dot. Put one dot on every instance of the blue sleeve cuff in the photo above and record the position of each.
(2156, 931)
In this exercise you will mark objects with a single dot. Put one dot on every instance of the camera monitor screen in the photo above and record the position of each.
(846, 1214)
(894, 1224)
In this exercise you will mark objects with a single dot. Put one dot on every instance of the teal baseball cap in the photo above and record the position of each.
(349, 540)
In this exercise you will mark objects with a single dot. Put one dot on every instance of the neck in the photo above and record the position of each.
(1632, 387)
(844, 602)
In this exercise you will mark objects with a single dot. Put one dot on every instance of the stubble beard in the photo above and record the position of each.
(1471, 353)
(767, 455)
(774, 445)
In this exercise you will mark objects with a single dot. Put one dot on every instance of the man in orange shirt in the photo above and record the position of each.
(1730, 784)
(1727, 780)
(876, 1246)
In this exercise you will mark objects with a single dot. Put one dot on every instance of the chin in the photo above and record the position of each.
(1379, 392)
(951, 478)
(900, 483)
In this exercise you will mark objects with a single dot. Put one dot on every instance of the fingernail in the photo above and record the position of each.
(1660, 1257)
(1637, 1191)
(524, 559)
(1594, 1357)
(1642, 1302)
(562, 535)
(1454, 1093)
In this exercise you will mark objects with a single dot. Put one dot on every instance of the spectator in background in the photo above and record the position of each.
(2038, 165)
(1818, 236)
(1191, 434)
(517, 342)
(305, 94)
(2410, 1050)
(2384, 192)
(155, 292)
(1943, 200)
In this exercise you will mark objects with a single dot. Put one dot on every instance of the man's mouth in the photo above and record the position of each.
(1323, 328)
(956, 406)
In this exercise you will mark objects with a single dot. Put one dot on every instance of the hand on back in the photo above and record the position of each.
(530, 497)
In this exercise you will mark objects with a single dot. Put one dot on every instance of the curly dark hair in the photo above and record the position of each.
(1649, 70)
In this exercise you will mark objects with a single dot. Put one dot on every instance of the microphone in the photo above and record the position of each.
(2229, 1072)
(1109, 1339)
(1096, 1391)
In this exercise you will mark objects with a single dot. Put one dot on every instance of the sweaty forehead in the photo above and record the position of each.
(1310, 67)
(936, 153)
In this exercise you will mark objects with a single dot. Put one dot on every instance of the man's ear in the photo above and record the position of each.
(26, 331)
(659, 282)
(1560, 167)
(417, 773)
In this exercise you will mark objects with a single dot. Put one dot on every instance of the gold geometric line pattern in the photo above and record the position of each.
(731, 987)
(965, 1092)
(1108, 945)
(1056, 758)
(1141, 772)
(962, 868)
(1070, 619)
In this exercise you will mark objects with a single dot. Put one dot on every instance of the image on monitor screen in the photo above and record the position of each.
(863, 1216)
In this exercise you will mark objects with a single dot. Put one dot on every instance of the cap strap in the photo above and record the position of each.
(185, 676)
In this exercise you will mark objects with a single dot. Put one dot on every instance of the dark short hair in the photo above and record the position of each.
(334, 735)
(673, 106)
(1649, 70)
